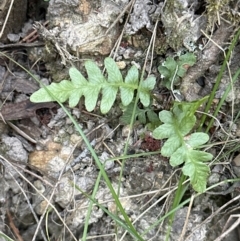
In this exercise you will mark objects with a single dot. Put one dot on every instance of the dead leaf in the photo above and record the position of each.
(20, 85)
(23, 110)
(24, 86)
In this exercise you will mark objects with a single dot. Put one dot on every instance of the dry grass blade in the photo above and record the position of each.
(187, 217)
(231, 228)
(209, 218)
(6, 19)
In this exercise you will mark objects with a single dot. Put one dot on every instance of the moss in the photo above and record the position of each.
(176, 29)
(224, 9)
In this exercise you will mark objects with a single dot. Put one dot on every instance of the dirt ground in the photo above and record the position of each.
(42, 154)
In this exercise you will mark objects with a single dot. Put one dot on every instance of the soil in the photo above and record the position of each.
(42, 155)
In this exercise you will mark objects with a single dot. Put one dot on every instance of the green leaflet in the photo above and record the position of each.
(172, 70)
(95, 84)
(182, 147)
(144, 116)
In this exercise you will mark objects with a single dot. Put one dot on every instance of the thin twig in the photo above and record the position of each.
(13, 227)
(187, 217)
(6, 19)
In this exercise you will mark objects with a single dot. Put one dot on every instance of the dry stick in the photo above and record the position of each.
(130, 4)
(33, 35)
(154, 34)
(127, 197)
(143, 213)
(216, 119)
(101, 236)
(236, 208)
(154, 204)
(13, 227)
(233, 226)
(20, 132)
(17, 164)
(6, 19)
(73, 193)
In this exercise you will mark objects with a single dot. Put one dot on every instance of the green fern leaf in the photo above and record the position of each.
(131, 81)
(197, 139)
(171, 145)
(96, 84)
(142, 115)
(114, 74)
(196, 169)
(77, 78)
(95, 76)
(186, 124)
(109, 94)
(60, 92)
(188, 59)
(172, 69)
(180, 145)
(91, 97)
(164, 131)
(152, 116)
(166, 116)
(145, 87)
(178, 157)
(79, 83)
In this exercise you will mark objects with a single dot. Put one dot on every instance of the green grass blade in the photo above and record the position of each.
(235, 78)
(92, 198)
(219, 77)
(114, 217)
(5, 236)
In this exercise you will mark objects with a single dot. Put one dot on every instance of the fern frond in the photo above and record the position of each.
(109, 87)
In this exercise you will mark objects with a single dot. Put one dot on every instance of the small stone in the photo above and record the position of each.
(125, 131)
(15, 149)
(107, 164)
(76, 112)
(13, 37)
(74, 139)
(121, 64)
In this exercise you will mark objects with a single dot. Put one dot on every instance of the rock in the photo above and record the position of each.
(140, 17)
(50, 161)
(67, 192)
(107, 164)
(15, 149)
(84, 26)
